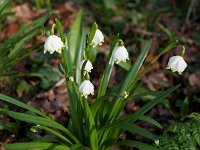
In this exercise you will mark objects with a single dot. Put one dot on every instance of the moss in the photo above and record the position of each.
(182, 136)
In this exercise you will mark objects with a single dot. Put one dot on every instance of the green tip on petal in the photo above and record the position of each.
(51, 51)
(117, 61)
(59, 50)
(121, 43)
(173, 69)
(86, 95)
(180, 72)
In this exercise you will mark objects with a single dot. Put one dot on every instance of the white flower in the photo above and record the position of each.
(120, 53)
(86, 88)
(98, 38)
(53, 43)
(177, 63)
(71, 78)
(88, 66)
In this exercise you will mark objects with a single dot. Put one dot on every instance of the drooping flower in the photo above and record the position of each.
(98, 38)
(53, 44)
(120, 53)
(88, 66)
(86, 88)
(176, 63)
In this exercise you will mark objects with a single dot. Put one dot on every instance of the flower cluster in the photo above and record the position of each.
(120, 54)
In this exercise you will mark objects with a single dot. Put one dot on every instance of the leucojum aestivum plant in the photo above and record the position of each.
(96, 123)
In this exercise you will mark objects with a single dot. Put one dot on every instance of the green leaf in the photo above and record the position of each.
(16, 51)
(22, 105)
(74, 103)
(136, 144)
(92, 33)
(142, 118)
(67, 57)
(35, 145)
(136, 129)
(60, 29)
(77, 147)
(184, 109)
(48, 75)
(55, 133)
(39, 121)
(4, 4)
(13, 39)
(78, 59)
(125, 65)
(155, 101)
(22, 87)
(75, 37)
(108, 69)
(90, 126)
(168, 32)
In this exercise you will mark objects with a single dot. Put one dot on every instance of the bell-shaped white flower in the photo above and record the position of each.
(53, 44)
(176, 63)
(86, 88)
(98, 38)
(120, 53)
(88, 66)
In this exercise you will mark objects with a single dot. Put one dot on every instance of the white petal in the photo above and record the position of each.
(173, 62)
(86, 88)
(98, 38)
(120, 54)
(181, 65)
(88, 65)
(177, 63)
(47, 44)
(53, 43)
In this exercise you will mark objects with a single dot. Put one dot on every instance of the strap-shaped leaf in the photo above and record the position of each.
(22, 105)
(140, 117)
(108, 69)
(136, 144)
(90, 126)
(39, 121)
(75, 37)
(4, 4)
(136, 129)
(57, 134)
(36, 145)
